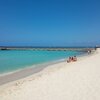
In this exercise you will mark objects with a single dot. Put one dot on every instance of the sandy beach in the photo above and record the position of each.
(61, 81)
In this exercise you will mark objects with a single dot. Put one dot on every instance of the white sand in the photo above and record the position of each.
(75, 81)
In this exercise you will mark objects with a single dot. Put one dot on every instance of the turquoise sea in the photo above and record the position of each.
(12, 60)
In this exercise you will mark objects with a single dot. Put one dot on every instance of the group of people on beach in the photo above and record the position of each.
(72, 59)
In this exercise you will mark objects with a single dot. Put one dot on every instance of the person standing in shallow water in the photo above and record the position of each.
(89, 51)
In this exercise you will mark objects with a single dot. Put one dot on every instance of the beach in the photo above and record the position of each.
(60, 81)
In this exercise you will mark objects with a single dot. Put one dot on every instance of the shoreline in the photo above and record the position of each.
(28, 71)
(31, 66)
(60, 81)
(22, 73)
(10, 71)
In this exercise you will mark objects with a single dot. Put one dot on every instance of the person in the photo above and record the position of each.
(74, 58)
(95, 48)
(69, 60)
(89, 51)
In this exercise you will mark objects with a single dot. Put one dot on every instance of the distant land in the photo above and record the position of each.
(47, 48)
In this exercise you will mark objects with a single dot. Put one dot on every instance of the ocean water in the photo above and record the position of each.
(12, 60)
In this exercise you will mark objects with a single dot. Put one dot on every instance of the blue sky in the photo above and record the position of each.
(49, 22)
